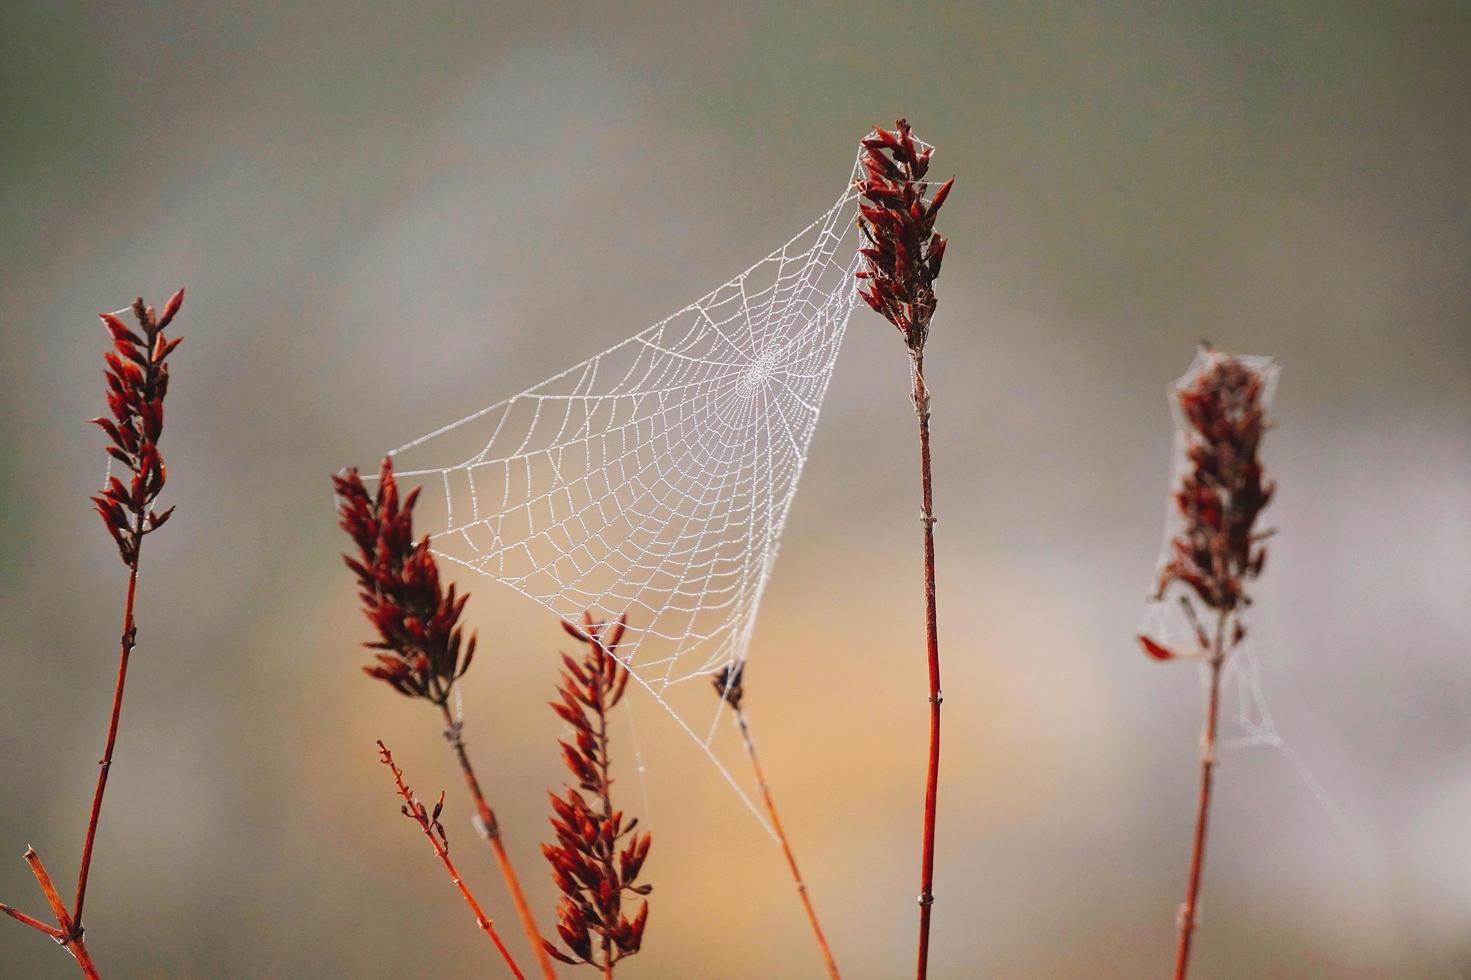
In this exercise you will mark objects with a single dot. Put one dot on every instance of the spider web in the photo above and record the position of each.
(654, 479)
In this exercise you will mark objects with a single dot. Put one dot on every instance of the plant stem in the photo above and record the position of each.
(1203, 802)
(932, 778)
(481, 919)
(490, 829)
(786, 848)
(71, 936)
(32, 921)
(605, 763)
(129, 638)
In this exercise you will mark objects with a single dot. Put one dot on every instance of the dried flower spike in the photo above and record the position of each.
(901, 252)
(597, 857)
(418, 623)
(137, 381)
(1214, 554)
(1224, 490)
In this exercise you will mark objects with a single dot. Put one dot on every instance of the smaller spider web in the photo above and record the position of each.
(654, 480)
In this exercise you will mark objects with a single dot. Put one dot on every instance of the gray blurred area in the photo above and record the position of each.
(388, 216)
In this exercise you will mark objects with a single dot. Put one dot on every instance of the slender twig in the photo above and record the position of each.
(71, 936)
(932, 646)
(125, 650)
(489, 829)
(31, 921)
(730, 687)
(1202, 805)
(429, 823)
(786, 847)
(602, 759)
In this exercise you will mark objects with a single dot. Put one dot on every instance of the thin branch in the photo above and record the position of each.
(490, 829)
(125, 651)
(71, 936)
(1203, 800)
(932, 643)
(786, 847)
(429, 824)
(34, 923)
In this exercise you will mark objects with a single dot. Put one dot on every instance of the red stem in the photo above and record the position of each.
(481, 919)
(71, 931)
(490, 829)
(129, 637)
(1202, 804)
(31, 921)
(932, 777)
(605, 763)
(786, 848)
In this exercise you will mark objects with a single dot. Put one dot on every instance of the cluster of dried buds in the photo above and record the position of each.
(423, 649)
(1221, 494)
(901, 251)
(597, 857)
(728, 684)
(137, 381)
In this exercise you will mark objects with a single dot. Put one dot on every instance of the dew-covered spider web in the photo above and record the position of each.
(654, 480)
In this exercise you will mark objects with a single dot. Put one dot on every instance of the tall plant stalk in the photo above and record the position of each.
(932, 649)
(729, 685)
(1214, 553)
(137, 381)
(901, 260)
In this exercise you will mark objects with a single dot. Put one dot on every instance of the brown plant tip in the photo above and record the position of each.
(728, 684)
(137, 381)
(1223, 491)
(598, 856)
(422, 644)
(901, 251)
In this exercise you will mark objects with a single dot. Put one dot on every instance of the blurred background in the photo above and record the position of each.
(388, 216)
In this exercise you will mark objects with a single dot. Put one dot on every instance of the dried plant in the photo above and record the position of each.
(137, 382)
(428, 822)
(591, 863)
(421, 644)
(1216, 551)
(901, 260)
(729, 687)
